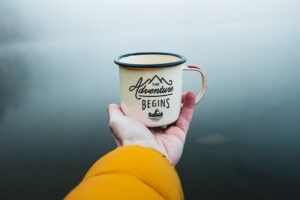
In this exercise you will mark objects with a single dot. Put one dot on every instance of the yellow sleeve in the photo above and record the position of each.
(131, 172)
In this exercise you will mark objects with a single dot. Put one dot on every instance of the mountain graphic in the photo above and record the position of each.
(155, 79)
(141, 89)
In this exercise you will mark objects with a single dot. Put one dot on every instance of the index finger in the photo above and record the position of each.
(187, 110)
(114, 111)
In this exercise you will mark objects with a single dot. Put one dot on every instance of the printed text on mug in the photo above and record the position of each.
(153, 94)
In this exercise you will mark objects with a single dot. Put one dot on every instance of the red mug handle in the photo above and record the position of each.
(200, 95)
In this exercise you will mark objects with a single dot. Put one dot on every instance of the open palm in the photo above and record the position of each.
(170, 141)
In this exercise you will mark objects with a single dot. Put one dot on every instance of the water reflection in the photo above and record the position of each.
(212, 139)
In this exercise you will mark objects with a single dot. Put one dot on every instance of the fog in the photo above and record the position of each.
(57, 76)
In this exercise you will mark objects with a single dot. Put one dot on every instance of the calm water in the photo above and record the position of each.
(57, 76)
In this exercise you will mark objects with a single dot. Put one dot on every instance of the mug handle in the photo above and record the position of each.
(203, 77)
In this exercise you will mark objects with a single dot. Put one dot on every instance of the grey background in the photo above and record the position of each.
(57, 76)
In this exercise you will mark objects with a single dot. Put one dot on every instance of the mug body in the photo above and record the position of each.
(151, 95)
(151, 86)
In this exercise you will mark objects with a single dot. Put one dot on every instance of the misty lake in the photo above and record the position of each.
(57, 77)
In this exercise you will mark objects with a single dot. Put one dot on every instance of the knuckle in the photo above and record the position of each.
(113, 124)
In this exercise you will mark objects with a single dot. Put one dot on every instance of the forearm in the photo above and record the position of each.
(133, 171)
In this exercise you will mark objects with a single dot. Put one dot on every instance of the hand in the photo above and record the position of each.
(128, 131)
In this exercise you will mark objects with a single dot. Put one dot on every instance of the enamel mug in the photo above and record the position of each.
(151, 86)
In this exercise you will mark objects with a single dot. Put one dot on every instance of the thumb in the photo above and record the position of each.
(186, 114)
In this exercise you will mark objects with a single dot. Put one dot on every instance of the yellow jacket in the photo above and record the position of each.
(131, 172)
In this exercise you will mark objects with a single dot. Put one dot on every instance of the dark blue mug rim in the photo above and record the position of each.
(169, 64)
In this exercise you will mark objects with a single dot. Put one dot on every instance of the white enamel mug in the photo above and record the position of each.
(151, 86)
